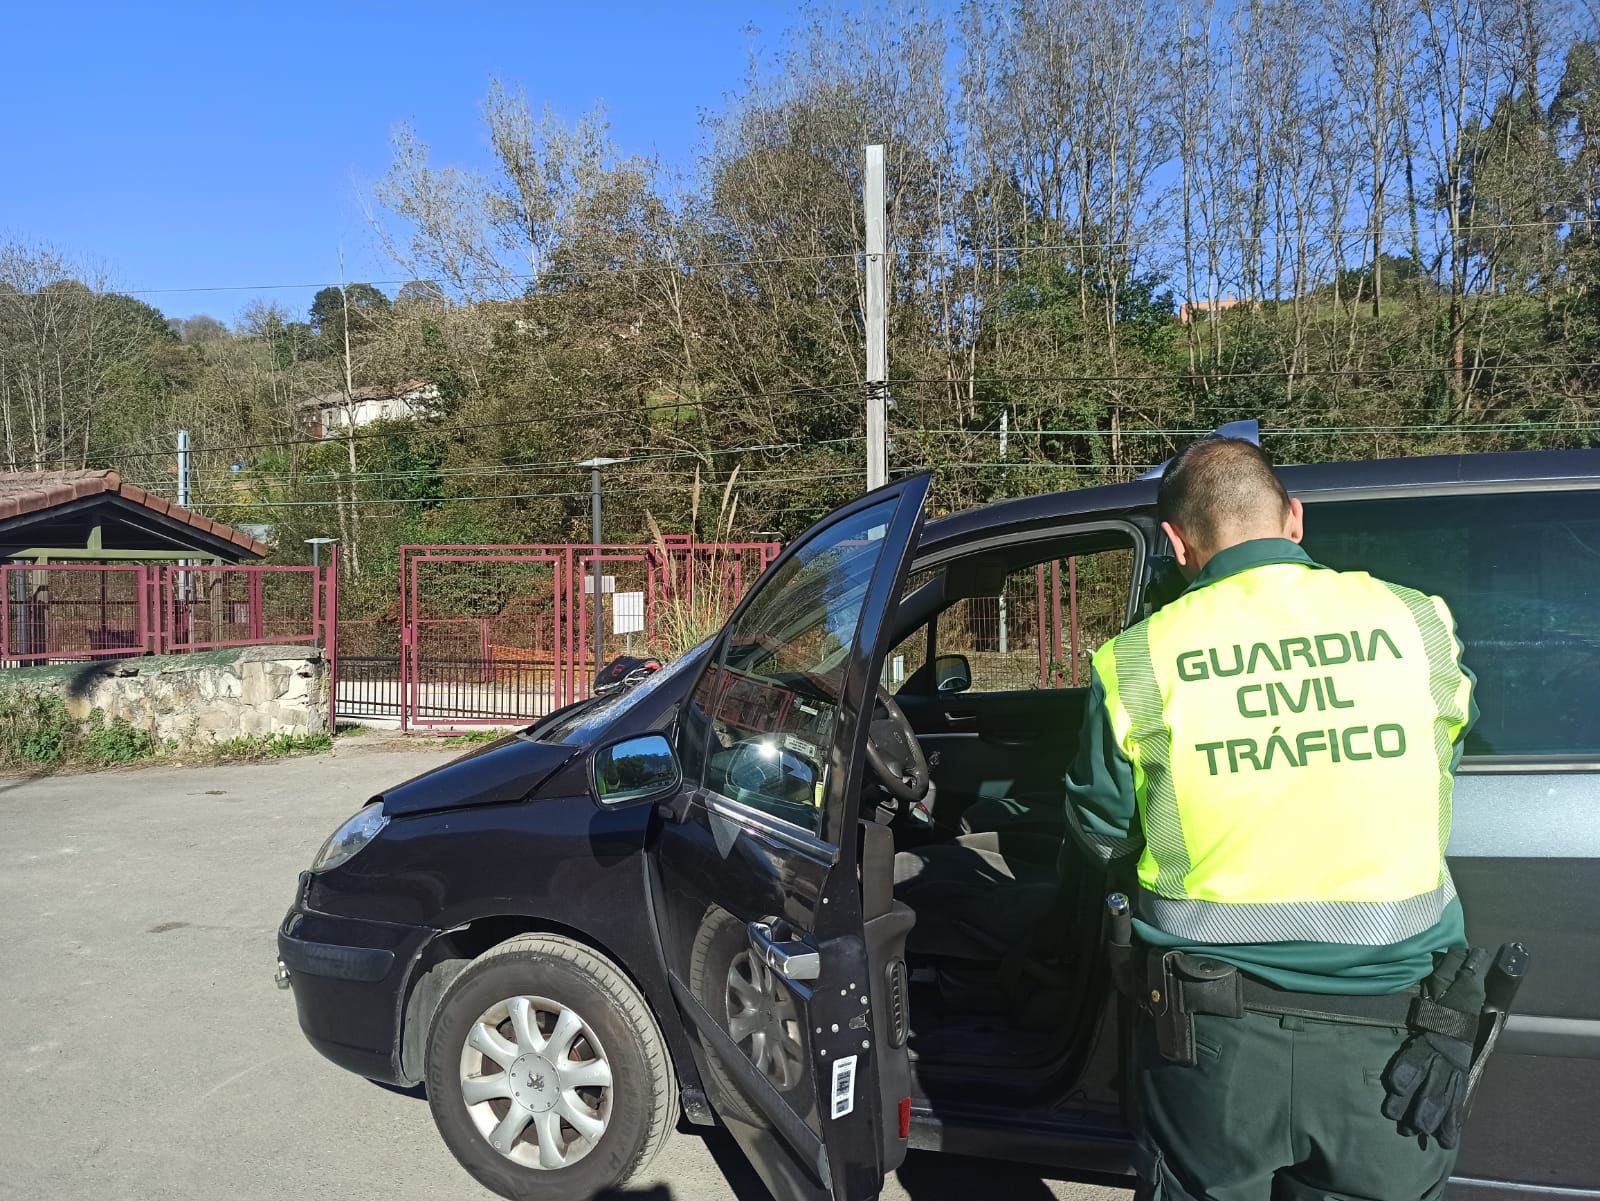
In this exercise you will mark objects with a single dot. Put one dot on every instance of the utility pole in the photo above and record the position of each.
(594, 466)
(316, 545)
(184, 581)
(877, 323)
(183, 469)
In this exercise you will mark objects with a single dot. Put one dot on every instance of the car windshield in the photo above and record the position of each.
(586, 722)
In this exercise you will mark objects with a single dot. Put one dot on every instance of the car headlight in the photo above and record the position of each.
(351, 837)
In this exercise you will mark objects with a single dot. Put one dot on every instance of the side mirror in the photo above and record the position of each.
(1164, 583)
(951, 673)
(762, 768)
(638, 767)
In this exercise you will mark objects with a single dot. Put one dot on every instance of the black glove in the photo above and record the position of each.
(1426, 1081)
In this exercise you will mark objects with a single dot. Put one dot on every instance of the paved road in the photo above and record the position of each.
(145, 1052)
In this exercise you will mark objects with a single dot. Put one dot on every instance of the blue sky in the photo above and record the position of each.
(188, 146)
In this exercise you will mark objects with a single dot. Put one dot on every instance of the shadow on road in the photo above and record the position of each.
(416, 1091)
(19, 781)
(932, 1176)
(730, 1161)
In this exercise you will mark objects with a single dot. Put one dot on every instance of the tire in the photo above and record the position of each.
(545, 976)
(721, 952)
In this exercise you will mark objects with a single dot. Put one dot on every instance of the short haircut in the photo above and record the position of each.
(1219, 491)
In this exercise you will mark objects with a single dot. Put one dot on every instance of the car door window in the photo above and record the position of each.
(1044, 627)
(1521, 573)
(762, 717)
(906, 659)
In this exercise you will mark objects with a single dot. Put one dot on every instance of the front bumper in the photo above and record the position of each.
(350, 978)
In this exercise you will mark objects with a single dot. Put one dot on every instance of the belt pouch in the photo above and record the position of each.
(1174, 1025)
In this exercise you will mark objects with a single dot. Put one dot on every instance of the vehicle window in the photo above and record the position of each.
(1521, 573)
(587, 720)
(771, 703)
(1042, 630)
(908, 657)
(905, 660)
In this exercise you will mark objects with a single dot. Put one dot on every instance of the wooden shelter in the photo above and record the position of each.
(93, 517)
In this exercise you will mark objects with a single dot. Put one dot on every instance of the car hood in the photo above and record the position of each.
(498, 773)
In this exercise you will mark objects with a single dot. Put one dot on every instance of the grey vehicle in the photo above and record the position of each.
(691, 891)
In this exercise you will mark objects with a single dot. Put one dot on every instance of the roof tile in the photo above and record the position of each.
(23, 492)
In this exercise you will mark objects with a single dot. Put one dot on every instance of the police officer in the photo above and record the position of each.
(1277, 744)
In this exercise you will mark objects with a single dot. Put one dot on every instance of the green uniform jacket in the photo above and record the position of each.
(1105, 810)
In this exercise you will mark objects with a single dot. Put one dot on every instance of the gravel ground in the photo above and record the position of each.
(146, 1053)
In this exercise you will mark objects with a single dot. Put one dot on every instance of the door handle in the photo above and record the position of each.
(957, 719)
(793, 960)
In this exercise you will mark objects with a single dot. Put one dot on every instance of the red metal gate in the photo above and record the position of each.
(495, 635)
(64, 612)
(482, 635)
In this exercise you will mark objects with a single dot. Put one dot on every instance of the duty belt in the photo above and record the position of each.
(1173, 986)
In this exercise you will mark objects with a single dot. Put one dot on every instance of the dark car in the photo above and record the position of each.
(677, 904)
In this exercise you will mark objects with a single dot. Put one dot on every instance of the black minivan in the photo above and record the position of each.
(681, 904)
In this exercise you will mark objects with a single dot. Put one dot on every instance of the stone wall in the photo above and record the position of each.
(210, 696)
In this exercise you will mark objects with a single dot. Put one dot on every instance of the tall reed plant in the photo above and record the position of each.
(698, 592)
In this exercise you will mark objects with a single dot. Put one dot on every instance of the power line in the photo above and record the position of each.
(1276, 432)
(433, 427)
(531, 468)
(1202, 377)
(441, 500)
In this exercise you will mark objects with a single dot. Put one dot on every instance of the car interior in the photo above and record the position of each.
(977, 724)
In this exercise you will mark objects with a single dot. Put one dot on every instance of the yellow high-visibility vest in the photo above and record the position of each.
(1291, 731)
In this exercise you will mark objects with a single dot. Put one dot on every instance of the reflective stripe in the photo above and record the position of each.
(1359, 923)
(1151, 739)
(1445, 684)
(1107, 846)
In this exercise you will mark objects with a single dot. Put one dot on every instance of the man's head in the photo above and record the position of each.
(1219, 492)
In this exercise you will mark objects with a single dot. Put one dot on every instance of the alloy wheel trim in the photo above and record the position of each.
(527, 1095)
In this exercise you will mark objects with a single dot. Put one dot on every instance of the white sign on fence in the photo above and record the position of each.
(627, 612)
(608, 583)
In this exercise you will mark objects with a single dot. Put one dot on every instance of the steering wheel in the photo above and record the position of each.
(895, 755)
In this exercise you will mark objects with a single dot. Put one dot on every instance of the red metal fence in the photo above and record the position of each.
(491, 635)
(482, 635)
(64, 612)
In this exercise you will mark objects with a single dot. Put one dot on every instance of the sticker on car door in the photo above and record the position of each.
(844, 1086)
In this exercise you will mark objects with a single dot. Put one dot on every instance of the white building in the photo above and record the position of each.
(334, 412)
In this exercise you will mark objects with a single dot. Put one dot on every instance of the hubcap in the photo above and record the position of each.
(536, 1082)
(763, 1020)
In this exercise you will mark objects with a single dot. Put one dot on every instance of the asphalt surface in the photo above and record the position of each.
(144, 1052)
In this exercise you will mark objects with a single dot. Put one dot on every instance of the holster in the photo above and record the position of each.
(1500, 990)
(1180, 985)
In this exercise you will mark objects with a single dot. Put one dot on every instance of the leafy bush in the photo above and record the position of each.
(36, 730)
(108, 742)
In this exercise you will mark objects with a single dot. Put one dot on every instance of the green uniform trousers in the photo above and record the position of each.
(1278, 1109)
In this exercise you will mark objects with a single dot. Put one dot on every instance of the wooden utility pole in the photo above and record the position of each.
(877, 324)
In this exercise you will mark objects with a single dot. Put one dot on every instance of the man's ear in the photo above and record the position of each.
(1180, 550)
(1295, 528)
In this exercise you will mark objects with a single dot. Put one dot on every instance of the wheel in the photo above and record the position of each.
(758, 1012)
(547, 1075)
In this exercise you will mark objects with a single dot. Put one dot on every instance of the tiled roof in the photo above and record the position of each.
(30, 491)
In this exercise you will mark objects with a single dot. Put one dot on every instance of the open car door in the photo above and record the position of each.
(791, 980)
